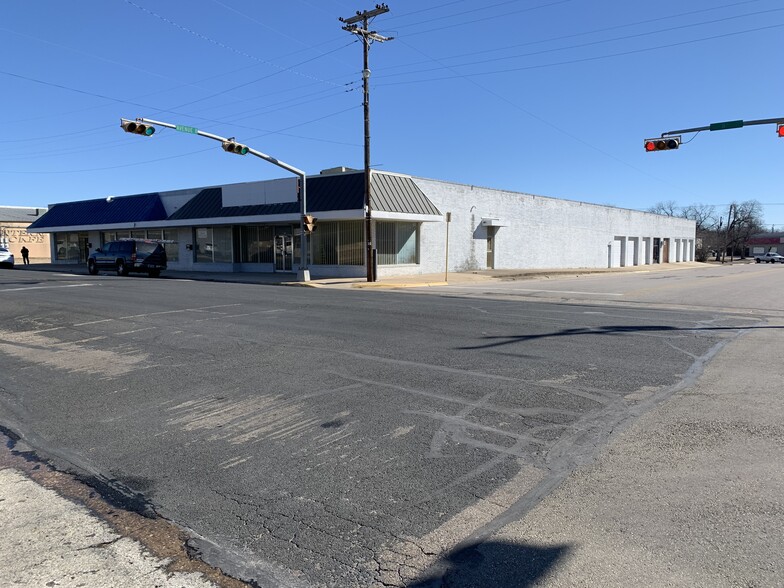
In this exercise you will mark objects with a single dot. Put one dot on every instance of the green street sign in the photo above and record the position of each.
(730, 124)
(184, 129)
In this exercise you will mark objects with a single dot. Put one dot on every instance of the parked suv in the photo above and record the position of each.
(129, 255)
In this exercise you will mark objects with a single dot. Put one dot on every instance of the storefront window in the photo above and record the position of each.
(397, 243)
(256, 244)
(172, 249)
(213, 245)
(71, 247)
(338, 243)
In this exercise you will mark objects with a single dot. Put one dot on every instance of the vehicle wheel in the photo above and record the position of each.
(122, 269)
(155, 273)
(91, 267)
(757, 260)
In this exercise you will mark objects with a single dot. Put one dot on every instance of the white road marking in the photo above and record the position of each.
(568, 292)
(136, 331)
(92, 323)
(176, 311)
(44, 287)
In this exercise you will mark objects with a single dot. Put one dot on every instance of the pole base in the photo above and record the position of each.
(303, 275)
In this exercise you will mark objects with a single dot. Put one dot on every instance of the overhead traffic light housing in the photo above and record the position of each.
(233, 147)
(136, 127)
(780, 129)
(310, 222)
(662, 143)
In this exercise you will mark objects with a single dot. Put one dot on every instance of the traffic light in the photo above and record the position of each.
(662, 144)
(233, 147)
(131, 126)
(310, 223)
(780, 129)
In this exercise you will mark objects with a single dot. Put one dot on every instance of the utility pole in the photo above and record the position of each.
(730, 224)
(352, 26)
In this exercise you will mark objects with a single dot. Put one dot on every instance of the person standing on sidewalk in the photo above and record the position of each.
(25, 255)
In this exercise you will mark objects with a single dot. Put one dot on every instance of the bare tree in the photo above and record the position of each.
(718, 231)
(665, 208)
(704, 215)
(743, 220)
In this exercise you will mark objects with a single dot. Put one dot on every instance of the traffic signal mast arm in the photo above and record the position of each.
(244, 149)
(732, 124)
(223, 140)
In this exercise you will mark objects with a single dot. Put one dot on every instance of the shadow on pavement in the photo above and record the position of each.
(492, 564)
(500, 340)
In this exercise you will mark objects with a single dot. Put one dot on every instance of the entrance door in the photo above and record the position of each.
(284, 250)
(665, 253)
(491, 247)
(84, 249)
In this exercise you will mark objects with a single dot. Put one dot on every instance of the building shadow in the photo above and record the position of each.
(492, 564)
(500, 340)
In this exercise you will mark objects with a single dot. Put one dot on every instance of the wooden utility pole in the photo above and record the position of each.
(352, 26)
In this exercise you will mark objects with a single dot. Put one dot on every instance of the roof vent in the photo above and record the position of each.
(336, 170)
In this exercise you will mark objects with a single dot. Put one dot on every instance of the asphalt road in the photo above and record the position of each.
(317, 437)
(740, 286)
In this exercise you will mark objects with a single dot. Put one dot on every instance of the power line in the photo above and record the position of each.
(221, 44)
(483, 9)
(581, 60)
(257, 80)
(548, 123)
(69, 171)
(563, 37)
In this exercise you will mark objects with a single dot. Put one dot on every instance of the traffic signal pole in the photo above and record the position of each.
(303, 274)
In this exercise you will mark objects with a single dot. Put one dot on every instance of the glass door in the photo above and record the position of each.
(284, 249)
(491, 247)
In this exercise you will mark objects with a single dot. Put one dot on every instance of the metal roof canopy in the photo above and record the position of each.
(392, 193)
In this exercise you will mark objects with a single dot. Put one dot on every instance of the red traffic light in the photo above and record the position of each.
(662, 144)
(780, 129)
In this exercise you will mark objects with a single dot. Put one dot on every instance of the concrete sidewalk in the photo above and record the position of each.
(691, 494)
(59, 532)
(412, 281)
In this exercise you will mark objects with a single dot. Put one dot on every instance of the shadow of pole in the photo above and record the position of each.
(492, 564)
(500, 340)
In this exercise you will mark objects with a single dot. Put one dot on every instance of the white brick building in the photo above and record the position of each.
(255, 227)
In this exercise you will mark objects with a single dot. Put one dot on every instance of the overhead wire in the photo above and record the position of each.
(159, 159)
(583, 59)
(221, 44)
(590, 43)
(590, 32)
(431, 29)
(588, 144)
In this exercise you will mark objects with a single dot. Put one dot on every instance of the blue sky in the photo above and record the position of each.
(550, 97)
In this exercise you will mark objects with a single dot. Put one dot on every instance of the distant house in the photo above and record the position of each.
(761, 243)
(14, 222)
(255, 227)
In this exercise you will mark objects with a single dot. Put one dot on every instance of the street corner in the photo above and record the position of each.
(396, 285)
(60, 531)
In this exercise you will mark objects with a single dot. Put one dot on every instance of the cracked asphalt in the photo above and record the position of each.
(312, 437)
